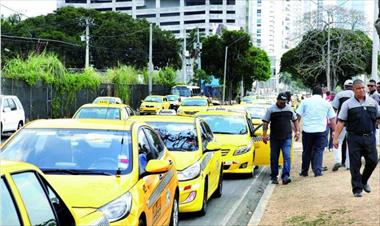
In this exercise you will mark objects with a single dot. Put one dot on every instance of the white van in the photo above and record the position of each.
(12, 115)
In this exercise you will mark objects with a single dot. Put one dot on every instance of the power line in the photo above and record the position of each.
(119, 35)
(18, 12)
(41, 39)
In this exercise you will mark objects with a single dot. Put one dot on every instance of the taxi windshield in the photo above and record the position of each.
(98, 113)
(73, 151)
(153, 99)
(222, 124)
(194, 102)
(256, 112)
(172, 97)
(177, 136)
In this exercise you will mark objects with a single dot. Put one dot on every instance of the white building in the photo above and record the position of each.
(176, 15)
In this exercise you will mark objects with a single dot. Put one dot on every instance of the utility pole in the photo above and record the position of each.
(242, 87)
(224, 74)
(198, 50)
(87, 62)
(375, 43)
(150, 58)
(328, 75)
(184, 58)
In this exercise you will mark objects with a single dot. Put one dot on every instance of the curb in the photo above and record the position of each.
(260, 209)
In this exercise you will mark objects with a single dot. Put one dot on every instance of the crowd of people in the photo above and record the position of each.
(345, 123)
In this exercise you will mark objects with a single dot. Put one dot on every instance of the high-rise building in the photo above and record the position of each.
(176, 15)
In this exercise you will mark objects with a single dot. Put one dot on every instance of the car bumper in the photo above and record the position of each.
(238, 163)
(191, 195)
(149, 111)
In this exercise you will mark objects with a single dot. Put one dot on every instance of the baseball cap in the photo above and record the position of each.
(348, 82)
(282, 96)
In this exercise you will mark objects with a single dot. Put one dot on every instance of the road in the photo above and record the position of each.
(237, 204)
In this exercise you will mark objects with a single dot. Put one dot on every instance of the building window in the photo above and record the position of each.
(230, 12)
(100, 1)
(169, 14)
(216, 21)
(104, 9)
(258, 31)
(259, 25)
(195, 13)
(231, 21)
(231, 2)
(123, 0)
(216, 12)
(76, 1)
(216, 2)
(195, 21)
(123, 8)
(194, 2)
(258, 21)
(146, 16)
(169, 23)
(175, 32)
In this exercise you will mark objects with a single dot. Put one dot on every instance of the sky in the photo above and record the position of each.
(30, 8)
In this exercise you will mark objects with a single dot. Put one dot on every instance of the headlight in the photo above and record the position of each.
(190, 172)
(242, 150)
(118, 208)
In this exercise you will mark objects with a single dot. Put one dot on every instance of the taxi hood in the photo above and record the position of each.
(193, 108)
(91, 191)
(185, 159)
(228, 140)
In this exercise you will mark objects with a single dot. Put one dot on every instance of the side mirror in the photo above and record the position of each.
(7, 109)
(155, 166)
(213, 146)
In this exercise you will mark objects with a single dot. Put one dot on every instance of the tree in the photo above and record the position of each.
(244, 62)
(115, 38)
(350, 56)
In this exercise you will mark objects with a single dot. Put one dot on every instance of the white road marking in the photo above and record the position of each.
(237, 204)
(260, 209)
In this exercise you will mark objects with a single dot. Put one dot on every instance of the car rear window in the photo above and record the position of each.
(99, 113)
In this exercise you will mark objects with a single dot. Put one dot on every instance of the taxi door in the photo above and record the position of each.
(160, 187)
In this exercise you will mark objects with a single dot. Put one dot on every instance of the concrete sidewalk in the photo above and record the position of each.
(325, 200)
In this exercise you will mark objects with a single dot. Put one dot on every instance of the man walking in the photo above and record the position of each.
(359, 115)
(340, 153)
(314, 111)
(372, 91)
(280, 116)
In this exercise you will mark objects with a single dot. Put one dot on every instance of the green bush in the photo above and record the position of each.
(122, 77)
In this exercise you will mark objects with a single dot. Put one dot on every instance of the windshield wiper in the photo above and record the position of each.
(94, 172)
(76, 172)
(224, 133)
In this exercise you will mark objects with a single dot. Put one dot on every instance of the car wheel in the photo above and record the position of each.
(219, 190)
(253, 166)
(175, 213)
(203, 211)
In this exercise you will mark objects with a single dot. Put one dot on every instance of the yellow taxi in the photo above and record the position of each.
(28, 199)
(256, 113)
(197, 157)
(121, 168)
(153, 104)
(104, 111)
(192, 105)
(235, 133)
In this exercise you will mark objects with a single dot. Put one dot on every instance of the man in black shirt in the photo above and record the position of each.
(280, 117)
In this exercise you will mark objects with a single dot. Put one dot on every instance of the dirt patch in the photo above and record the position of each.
(325, 200)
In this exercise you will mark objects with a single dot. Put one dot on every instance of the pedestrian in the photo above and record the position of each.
(314, 111)
(341, 152)
(280, 117)
(372, 91)
(359, 115)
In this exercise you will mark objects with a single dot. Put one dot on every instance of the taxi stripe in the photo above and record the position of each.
(160, 188)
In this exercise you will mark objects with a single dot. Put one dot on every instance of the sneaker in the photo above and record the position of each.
(274, 181)
(303, 174)
(358, 194)
(366, 188)
(336, 167)
(286, 181)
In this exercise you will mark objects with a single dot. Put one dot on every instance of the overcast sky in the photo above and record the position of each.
(30, 8)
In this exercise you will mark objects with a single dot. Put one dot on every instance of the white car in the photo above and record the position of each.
(12, 115)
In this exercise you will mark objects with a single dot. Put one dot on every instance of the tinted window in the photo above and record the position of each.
(155, 141)
(195, 102)
(99, 113)
(63, 213)
(12, 104)
(177, 136)
(78, 150)
(33, 195)
(8, 210)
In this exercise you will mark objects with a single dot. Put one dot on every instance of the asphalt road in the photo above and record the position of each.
(237, 204)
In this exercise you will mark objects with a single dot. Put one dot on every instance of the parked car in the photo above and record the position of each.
(153, 103)
(12, 115)
(197, 157)
(104, 111)
(27, 198)
(121, 168)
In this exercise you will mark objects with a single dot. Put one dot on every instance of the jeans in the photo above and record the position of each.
(275, 146)
(313, 147)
